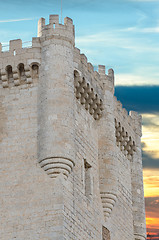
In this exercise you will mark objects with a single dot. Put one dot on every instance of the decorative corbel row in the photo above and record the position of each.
(22, 74)
(16, 78)
(87, 97)
(28, 75)
(4, 79)
(124, 142)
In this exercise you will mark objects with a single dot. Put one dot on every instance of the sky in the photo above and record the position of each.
(123, 35)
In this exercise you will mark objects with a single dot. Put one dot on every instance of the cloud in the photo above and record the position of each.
(151, 203)
(140, 30)
(143, 99)
(152, 215)
(138, 78)
(125, 51)
(151, 182)
(151, 120)
(109, 38)
(150, 30)
(149, 161)
(144, 0)
(150, 139)
(17, 20)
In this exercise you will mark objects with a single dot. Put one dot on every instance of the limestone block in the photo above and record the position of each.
(70, 154)
(15, 44)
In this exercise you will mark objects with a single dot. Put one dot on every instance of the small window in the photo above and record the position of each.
(35, 71)
(9, 73)
(88, 179)
(22, 72)
(105, 233)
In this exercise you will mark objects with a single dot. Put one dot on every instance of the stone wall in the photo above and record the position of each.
(70, 154)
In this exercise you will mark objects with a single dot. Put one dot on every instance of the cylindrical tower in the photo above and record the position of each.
(107, 145)
(137, 183)
(56, 97)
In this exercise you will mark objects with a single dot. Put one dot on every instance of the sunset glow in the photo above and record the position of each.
(150, 136)
(151, 183)
(150, 142)
(120, 34)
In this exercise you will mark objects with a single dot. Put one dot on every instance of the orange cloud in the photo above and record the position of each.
(150, 136)
(151, 182)
(151, 188)
(152, 222)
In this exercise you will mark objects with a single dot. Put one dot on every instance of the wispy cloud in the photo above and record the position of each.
(16, 20)
(140, 30)
(151, 182)
(149, 162)
(151, 139)
(143, 99)
(135, 78)
(144, 1)
(116, 39)
(129, 79)
(151, 30)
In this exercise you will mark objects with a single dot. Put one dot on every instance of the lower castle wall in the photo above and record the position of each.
(83, 214)
(27, 195)
(34, 206)
(121, 221)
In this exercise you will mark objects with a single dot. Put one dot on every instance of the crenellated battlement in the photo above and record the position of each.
(56, 29)
(26, 61)
(68, 141)
(128, 126)
(125, 117)
(18, 65)
(16, 47)
(122, 115)
(98, 79)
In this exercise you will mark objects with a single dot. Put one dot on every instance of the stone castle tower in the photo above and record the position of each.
(70, 155)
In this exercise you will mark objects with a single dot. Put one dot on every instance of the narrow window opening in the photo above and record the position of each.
(9, 73)
(54, 26)
(35, 71)
(22, 72)
(14, 52)
(88, 179)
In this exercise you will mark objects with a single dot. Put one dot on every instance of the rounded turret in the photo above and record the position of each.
(56, 97)
(56, 30)
(107, 146)
(137, 182)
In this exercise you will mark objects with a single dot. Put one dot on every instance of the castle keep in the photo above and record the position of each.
(70, 155)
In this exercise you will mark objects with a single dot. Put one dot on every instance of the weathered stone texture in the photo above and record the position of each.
(70, 155)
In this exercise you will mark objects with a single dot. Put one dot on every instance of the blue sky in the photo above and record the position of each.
(122, 34)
